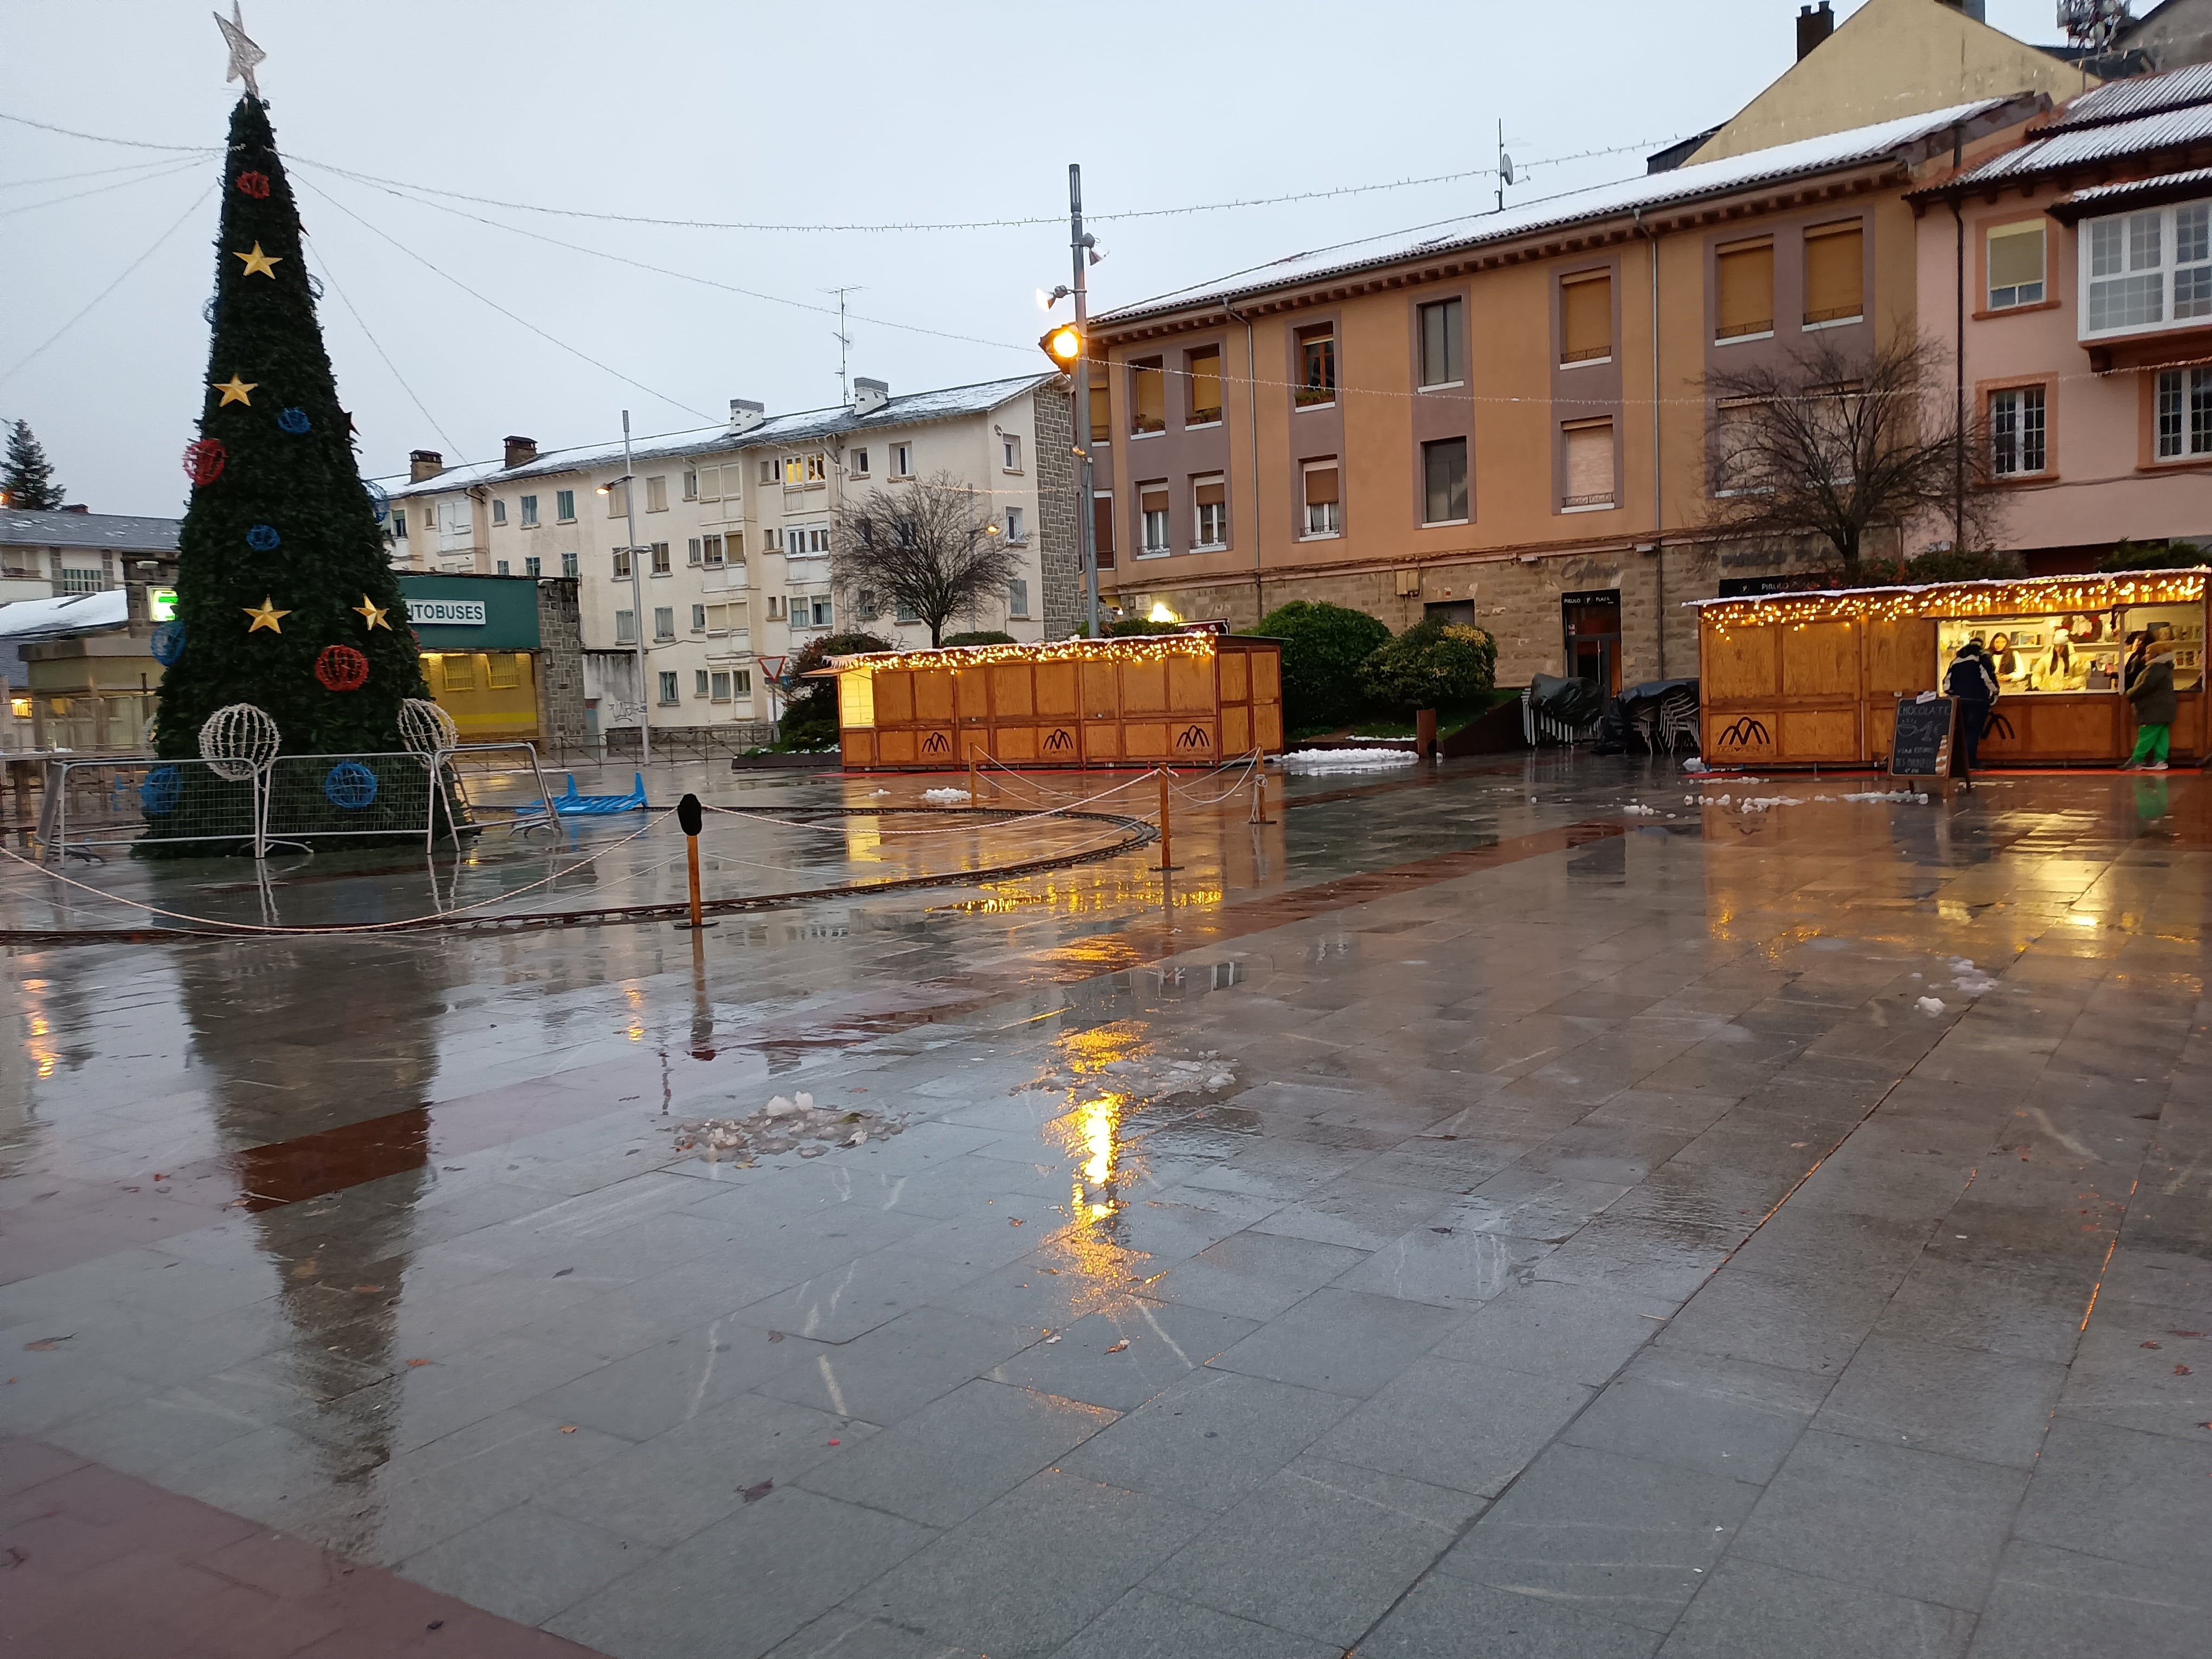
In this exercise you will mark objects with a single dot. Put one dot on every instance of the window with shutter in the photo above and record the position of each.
(1745, 279)
(1152, 508)
(1590, 464)
(1324, 511)
(1735, 460)
(2016, 265)
(1102, 527)
(1835, 274)
(656, 495)
(1443, 350)
(1586, 318)
(1102, 417)
(1210, 503)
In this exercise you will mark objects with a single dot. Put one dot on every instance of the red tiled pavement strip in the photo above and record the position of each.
(73, 1223)
(94, 1565)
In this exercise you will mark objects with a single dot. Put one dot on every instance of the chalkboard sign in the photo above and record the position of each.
(1922, 745)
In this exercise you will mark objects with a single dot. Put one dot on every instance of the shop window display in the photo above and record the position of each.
(2081, 651)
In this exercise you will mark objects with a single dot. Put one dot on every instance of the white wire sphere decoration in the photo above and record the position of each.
(426, 728)
(237, 741)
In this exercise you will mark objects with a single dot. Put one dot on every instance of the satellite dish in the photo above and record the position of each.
(1504, 168)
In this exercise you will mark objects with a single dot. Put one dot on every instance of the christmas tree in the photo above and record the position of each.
(286, 599)
(26, 479)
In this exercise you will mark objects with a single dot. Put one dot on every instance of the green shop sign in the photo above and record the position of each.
(472, 613)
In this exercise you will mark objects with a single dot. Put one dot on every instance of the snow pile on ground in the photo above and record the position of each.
(1636, 810)
(945, 797)
(1972, 980)
(1915, 795)
(1348, 760)
(1748, 803)
(779, 1126)
(1929, 1005)
(1147, 1076)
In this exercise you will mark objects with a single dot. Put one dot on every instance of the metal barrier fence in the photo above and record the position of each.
(92, 806)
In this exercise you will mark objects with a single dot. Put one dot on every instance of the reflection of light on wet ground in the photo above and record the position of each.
(1092, 1132)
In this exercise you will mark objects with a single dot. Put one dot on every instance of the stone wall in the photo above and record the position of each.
(560, 664)
(1059, 546)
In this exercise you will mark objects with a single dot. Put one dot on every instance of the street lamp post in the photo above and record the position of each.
(637, 598)
(1086, 488)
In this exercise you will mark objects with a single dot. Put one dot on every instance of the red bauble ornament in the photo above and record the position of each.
(341, 668)
(203, 460)
(255, 184)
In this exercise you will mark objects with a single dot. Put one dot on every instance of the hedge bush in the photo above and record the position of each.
(981, 636)
(1323, 646)
(1432, 664)
(809, 718)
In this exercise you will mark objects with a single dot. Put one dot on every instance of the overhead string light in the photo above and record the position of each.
(1127, 649)
(2008, 597)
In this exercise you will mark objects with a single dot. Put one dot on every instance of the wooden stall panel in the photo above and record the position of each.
(933, 695)
(860, 749)
(1100, 683)
(1881, 726)
(2010, 734)
(1057, 689)
(941, 746)
(894, 698)
(1013, 693)
(1145, 740)
(1737, 737)
(1194, 743)
(1820, 659)
(2188, 735)
(1236, 729)
(1818, 735)
(1738, 665)
(898, 748)
(1900, 656)
(1267, 675)
(1235, 675)
(1101, 740)
(2077, 728)
(1144, 688)
(1013, 745)
(1190, 686)
(1268, 723)
(971, 694)
(1057, 743)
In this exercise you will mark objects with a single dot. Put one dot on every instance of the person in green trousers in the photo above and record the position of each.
(2156, 707)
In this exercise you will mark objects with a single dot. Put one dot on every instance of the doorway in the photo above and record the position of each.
(1591, 625)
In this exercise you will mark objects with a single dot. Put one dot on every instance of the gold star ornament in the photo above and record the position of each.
(266, 615)
(258, 263)
(234, 391)
(372, 615)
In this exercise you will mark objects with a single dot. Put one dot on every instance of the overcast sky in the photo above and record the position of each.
(858, 113)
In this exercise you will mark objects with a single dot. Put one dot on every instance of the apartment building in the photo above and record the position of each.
(2072, 275)
(733, 534)
(56, 560)
(1505, 424)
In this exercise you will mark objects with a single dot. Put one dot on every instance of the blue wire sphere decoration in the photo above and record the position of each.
(167, 644)
(380, 500)
(158, 794)
(293, 420)
(349, 785)
(262, 539)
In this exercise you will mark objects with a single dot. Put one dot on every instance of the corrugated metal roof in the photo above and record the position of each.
(912, 408)
(2144, 94)
(2096, 193)
(2170, 129)
(1826, 153)
(66, 618)
(112, 531)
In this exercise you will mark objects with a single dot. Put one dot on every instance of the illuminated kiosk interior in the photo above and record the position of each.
(1803, 679)
(1191, 699)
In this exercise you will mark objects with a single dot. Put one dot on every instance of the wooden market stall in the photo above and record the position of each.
(1804, 679)
(1187, 699)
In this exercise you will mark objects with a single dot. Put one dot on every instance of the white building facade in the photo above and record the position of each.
(732, 538)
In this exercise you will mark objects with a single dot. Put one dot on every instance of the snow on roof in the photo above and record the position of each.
(1825, 154)
(2145, 94)
(2164, 181)
(66, 617)
(912, 409)
(2082, 146)
(114, 531)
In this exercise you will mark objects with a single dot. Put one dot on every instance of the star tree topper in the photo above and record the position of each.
(244, 54)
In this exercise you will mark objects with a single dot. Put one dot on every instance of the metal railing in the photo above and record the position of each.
(93, 807)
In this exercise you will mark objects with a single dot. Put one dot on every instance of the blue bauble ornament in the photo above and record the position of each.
(263, 538)
(168, 643)
(293, 420)
(157, 795)
(349, 785)
(379, 501)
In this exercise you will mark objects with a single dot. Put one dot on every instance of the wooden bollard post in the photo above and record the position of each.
(1167, 861)
(973, 799)
(692, 819)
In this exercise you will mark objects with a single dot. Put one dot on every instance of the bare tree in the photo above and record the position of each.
(927, 548)
(1834, 442)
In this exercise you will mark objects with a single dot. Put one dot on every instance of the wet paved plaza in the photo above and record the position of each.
(1506, 1211)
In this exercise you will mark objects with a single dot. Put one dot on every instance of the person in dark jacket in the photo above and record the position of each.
(1971, 685)
(2156, 707)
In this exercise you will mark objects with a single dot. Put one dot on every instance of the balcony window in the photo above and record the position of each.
(1202, 372)
(1443, 342)
(1324, 507)
(2016, 432)
(1316, 368)
(1586, 320)
(1835, 274)
(1148, 397)
(1210, 510)
(2015, 265)
(1744, 297)
(2148, 270)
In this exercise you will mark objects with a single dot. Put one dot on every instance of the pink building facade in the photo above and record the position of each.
(2070, 273)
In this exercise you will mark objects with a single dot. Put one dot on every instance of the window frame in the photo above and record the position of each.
(2168, 270)
(1009, 451)
(1199, 541)
(2192, 416)
(498, 509)
(1588, 278)
(1195, 417)
(1145, 492)
(901, 461)
(668, 688)
(1306, 505)
(1018, 599)
(1722, 252)
(1305, 394)
(1833, 228)
(564, 507)
(1137, 369)
(660, 560)
(527, 511)
(1434, 446)
(664, 631)
(621, 565)
(1991, 233)
(2025, 440)
(1569, 502)
(1453, 307)
(625, 627)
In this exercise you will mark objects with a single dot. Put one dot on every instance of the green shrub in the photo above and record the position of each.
(1323, 646)
(1940, 564)
(981, 636)
(1129, 626)
(2154, 555)
(809, 718)
(1432, 664)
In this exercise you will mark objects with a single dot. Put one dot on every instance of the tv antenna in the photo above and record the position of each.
(2094, 24)
(844, 342)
